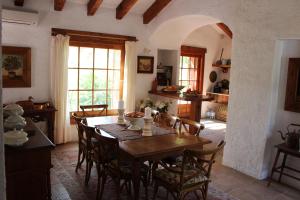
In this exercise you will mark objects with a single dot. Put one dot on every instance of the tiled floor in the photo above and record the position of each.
(226, 179)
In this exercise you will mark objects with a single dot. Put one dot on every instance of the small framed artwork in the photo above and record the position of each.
(292, 98)
(145, 64)
(16, 67)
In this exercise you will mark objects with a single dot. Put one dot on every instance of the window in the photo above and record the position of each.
(192, 67)
(94, 75)
(188, 72)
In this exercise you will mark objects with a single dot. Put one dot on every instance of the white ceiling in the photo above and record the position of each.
(139, 7)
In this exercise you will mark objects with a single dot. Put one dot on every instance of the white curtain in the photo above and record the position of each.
(130, 75)
(59, 87)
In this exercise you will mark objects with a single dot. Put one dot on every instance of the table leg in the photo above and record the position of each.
(282, 167)
(274, 166)
(136, 166)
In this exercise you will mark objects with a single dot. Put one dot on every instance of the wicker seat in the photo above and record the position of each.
(190, 175)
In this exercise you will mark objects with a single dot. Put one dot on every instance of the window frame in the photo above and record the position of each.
(113, 45)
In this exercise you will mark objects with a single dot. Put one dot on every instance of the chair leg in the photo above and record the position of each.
(99, 182)
(78, 159)
(88, 171)
(155, 190)
(103, 181)
(83, 157)
(118, 181)
(145, 183)
(205, 191)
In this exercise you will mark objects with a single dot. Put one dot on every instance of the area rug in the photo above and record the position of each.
(64, 172)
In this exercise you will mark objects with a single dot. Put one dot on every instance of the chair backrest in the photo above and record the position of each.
(80, 129)
(107, 147)
(100, 109)
(89, 133)
(200, 159)
(186, 124)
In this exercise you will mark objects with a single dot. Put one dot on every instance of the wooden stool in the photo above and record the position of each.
(282, 148)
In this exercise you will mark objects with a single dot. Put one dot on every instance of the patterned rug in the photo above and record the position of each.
(63, 173)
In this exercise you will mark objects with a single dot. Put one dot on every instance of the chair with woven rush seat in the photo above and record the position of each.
(190, 175)
(183, 123)
(100, 109)
(85, 145)
(82, 141)
(107, 158)
(180, 124)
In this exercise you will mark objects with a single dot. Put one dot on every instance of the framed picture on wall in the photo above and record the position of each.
(292, 96)
(16, 67)
(145, 64)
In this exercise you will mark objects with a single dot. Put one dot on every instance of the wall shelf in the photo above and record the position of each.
(219, 97)
(224, 68)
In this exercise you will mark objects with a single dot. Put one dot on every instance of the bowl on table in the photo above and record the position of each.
(134, 118)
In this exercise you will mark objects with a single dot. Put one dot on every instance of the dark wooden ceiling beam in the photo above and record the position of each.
(154, 9)
(225, 28)
(19, 2)
(93, 6)
(59, 5)
(124, 7)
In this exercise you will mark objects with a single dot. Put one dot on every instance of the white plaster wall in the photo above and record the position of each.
(207, 37)
(286, 49)
(256, 26)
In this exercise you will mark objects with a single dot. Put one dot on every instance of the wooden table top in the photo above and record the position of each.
(161, 144)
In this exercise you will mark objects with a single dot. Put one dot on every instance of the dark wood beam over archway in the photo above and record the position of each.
(59, 5)
(124, 8)
(225, 28)
(93, 6)
(154, 9)
(19, 2)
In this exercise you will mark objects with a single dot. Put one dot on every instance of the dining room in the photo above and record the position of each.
(127, 99)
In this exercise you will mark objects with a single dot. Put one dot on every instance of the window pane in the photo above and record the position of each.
(101, 58)
(100, 79)
(85, 79)
(185, 74)
(193, 74)
(185, 62)
(113, 79)
(73, 57)
(112, 99)
(72, 98)
(73, 79)
(100, 97)
(86, 57)
(114, 59)
(85, 98)
(184, 83)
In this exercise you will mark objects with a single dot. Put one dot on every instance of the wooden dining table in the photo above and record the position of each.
(151, 148)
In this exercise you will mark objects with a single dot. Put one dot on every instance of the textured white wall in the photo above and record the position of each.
(256, 26)
(285, 49)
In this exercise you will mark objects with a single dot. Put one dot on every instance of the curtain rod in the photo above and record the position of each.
(56, 31)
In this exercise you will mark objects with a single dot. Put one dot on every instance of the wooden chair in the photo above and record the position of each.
(85, 146)
(109, 163)
(101, 109)
(190, 175)
(186, 124)
(82, 141)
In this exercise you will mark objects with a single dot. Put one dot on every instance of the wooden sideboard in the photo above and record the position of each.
(28, 167)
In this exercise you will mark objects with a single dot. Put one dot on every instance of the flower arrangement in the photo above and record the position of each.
(162, 106)
(11, 63)
(146, 103)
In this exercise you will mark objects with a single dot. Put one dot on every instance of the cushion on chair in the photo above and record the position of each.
(126, 168)
(174, 178)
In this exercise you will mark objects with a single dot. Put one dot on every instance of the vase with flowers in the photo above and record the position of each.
(163, 118)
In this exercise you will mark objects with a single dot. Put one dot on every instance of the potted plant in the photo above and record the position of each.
(11, 64)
